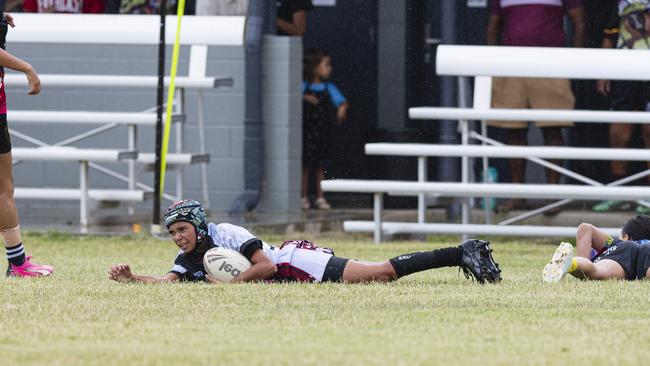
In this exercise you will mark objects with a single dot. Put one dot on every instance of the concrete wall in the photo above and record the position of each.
(223, 111)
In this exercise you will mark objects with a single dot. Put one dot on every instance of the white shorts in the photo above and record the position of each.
(302, 265)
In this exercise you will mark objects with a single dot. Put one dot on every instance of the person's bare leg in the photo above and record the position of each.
(517, 167)
(589, 237)
(19, 266)
(646, 140)
(553, 137)
(619, 137)
(517, 137)
(356, 271)
(605, 269)
(8, 212)
(320, 176)
(305, 181)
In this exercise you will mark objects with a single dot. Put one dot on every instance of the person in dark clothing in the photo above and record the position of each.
(323, 105)
(292, 17)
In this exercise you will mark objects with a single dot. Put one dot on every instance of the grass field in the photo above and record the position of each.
(79, 317)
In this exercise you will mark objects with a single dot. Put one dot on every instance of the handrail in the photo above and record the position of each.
(477, 151)
(443, 113)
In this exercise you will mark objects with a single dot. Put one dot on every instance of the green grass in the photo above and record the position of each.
(79, 317)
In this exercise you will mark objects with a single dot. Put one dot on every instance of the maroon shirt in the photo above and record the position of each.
(535, 23)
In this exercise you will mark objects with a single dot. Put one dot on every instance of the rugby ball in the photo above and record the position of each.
(225, 264)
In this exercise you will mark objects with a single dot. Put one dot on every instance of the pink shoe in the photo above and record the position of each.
(29, 269)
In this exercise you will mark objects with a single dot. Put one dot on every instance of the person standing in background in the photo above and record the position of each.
(63, 6)
(292, 17)
(533, 23)
(628, 28)
(323, 106)
(221, 7)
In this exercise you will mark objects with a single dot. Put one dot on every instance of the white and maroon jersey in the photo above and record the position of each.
(294, 264)
(189, 266)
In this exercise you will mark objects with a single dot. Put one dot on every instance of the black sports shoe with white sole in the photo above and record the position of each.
(477, 261)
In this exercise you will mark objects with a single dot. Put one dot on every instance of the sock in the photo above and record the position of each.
(16, 254)
(406, 264)
(574, 265)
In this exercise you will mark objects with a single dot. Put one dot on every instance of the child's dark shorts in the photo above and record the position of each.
(643, 261)
(623, 253)
(5, 140)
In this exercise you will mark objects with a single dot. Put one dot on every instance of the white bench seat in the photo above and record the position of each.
(118, 81)
(393, 227)
(500, 190)
(74, 194)
(66, 153)
(479, 151)
(86, 117)
(442, 113)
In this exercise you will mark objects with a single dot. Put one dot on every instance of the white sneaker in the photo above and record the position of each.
(559, 265)
(304, 203)
(322, 204)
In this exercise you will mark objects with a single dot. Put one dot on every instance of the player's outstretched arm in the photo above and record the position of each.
(122, 273)
(262, 268)
(588, 237)
(10, 61)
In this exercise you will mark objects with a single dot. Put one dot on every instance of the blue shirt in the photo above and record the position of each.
(337, 96)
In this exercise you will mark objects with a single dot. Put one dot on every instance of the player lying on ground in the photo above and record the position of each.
(600, 257)
(188, 227)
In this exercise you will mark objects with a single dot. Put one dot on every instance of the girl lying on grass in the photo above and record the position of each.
(601, 257)
(295, 260)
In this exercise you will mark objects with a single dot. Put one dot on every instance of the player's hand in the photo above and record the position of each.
(10, 20)
(311, 99)
(603, 87)
(212, 279)
(34, 82)
(120, 273)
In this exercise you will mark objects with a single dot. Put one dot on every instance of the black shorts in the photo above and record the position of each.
(5, 140)
(334, 269)
(624, 253)
(643, 261)
(630, 95)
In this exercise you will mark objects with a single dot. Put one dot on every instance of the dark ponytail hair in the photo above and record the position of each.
(637, 228)
(312, 58)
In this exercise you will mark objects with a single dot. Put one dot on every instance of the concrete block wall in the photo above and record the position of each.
(223, 110)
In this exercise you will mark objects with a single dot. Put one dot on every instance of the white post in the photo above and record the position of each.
(422, 197)
(465, 172)
(133, 135)
(180, 104)
(483, 100)
(378, 207)
(204, 166)
(83, 202)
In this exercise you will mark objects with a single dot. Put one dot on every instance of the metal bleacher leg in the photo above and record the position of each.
(422, 197)
(465, 174)
(377, 215)
(83, 202)
(133, 135)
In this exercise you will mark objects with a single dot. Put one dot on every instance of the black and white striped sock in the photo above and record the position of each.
(16, 254)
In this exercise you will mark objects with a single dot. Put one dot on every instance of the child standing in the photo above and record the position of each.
(323, 105)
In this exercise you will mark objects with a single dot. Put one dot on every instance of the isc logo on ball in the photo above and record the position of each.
(225, 267)
(229, 269)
